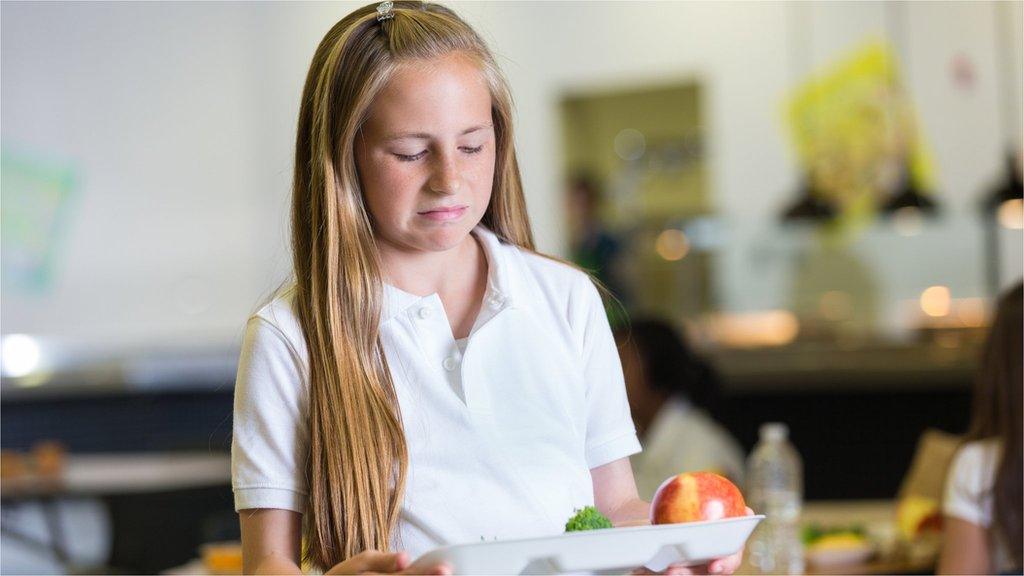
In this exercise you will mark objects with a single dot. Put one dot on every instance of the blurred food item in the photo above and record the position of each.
(918, 516)
(49, 457)
(837, 546)
(885, 536)
(840, 548)
(814, 533)
(839, 541)
(13, 464)
(925, 548)
(222, 557)
(920, 524)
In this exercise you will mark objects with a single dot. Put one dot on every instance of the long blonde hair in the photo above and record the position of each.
(358, 454)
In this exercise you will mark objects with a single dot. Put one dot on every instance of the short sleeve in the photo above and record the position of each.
(610, 431)
(967, 495)
(270, 440)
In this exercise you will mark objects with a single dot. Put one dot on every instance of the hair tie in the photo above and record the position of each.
(384, 11)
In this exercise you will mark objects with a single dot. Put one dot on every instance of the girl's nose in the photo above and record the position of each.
(445, 178)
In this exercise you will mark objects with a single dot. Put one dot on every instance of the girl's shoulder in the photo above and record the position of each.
(973, 468)
(540, 275)
(977, 455)
(557, 291)
(552, 270)
(280, 315)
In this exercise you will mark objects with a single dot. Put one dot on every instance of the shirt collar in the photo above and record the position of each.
(501, 290)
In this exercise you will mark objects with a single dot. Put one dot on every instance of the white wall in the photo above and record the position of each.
(180, 121)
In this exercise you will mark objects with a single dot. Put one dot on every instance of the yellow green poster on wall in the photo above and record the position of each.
(855, 129)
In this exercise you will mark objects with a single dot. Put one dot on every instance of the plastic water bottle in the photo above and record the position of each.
(775, 488)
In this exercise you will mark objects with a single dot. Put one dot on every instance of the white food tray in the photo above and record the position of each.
(597, 551)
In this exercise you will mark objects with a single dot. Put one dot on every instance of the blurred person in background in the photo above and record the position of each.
(592, 245)
(673, 394)
(983, 504)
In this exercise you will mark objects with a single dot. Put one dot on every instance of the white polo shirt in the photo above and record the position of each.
(502, 432)
(968, 496)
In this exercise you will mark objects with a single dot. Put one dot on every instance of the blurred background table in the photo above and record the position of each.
(173, 496)
(878, 520)
(104, 474)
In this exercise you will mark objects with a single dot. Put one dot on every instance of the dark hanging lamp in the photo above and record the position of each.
(1010, 188)
(906, 194)
(810, 206)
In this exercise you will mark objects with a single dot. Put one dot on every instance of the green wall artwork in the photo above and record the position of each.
(37, 194)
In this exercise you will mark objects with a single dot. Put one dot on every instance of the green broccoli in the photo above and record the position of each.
(587, 519)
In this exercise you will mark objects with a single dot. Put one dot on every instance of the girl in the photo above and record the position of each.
(428, 378)
(983, 505)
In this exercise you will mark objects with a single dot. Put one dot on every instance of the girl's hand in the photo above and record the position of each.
(723, 566)
(374, 562)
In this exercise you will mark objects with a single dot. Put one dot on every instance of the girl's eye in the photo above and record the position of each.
(415, 157)
(411, 157)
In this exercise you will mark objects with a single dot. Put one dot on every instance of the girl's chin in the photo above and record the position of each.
(444, 240)
(433, 239)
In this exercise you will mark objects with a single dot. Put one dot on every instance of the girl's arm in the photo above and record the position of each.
(615, 494)
(964, 548)
(271, 541)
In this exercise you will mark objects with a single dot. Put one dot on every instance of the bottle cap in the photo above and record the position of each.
(774, 431)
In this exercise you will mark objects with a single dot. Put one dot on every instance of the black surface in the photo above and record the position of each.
(122, 422)
(157, 531)
(853, 445)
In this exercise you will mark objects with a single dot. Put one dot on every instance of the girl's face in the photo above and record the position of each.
(426, 155)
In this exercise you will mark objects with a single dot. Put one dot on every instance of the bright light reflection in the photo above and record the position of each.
(672, 245)
(1011, 214)
(935, 301)
(20, 355)
(754, 329)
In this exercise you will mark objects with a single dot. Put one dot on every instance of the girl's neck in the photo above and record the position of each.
(425, 273)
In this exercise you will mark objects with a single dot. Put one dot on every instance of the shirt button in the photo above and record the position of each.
(496, 301)
(450, 363)
(425, 312)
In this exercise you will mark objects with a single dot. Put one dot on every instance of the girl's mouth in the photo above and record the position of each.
(444, 214)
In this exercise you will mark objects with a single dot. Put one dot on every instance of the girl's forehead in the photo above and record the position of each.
(427, 66)
(444, 93)
(421, 85)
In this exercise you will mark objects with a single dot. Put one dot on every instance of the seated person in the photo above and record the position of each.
(672, 395)
(982, 506)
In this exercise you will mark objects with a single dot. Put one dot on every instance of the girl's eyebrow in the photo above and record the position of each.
(425, 136)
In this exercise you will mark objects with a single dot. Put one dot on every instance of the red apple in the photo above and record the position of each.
(696, 496)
